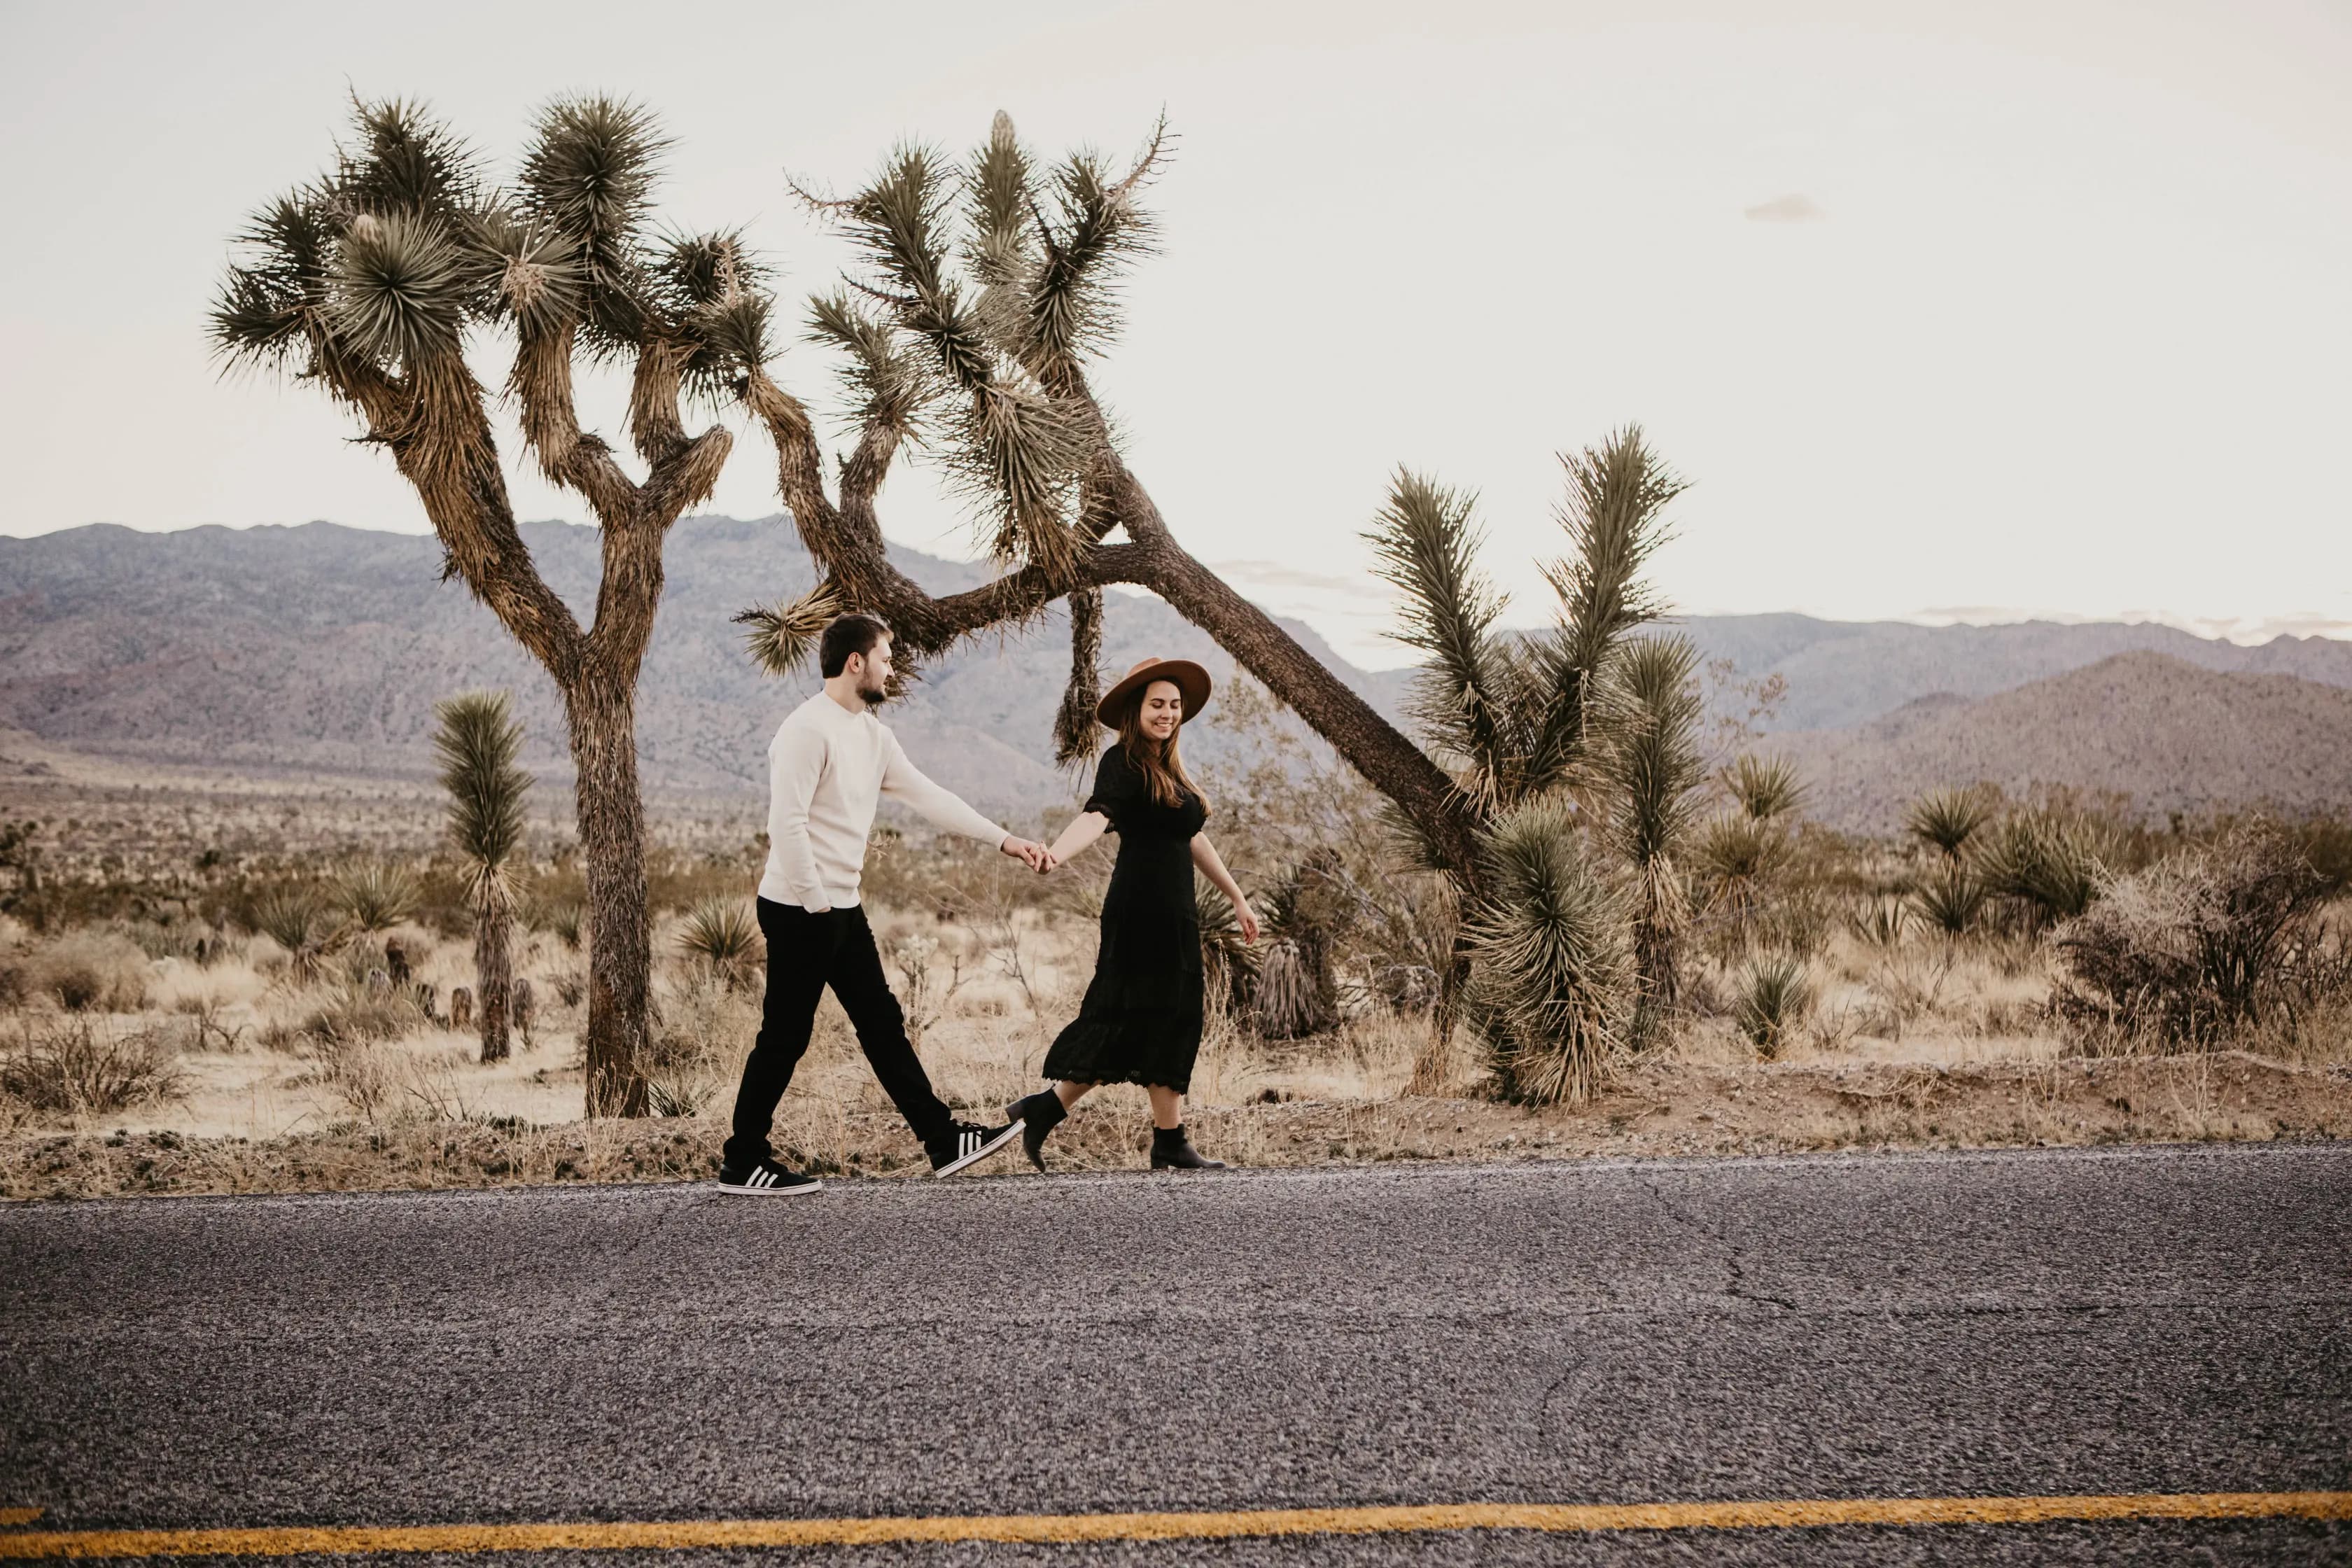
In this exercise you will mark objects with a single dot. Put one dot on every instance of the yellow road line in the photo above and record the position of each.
(18, 1515)
(1064, 1528)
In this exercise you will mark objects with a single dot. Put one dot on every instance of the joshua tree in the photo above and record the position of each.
(1517, 720)
(983, 290)
(479, 741)
(371, 281)
(1651, 769)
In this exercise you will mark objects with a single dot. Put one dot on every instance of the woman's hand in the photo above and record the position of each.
(1248, 918)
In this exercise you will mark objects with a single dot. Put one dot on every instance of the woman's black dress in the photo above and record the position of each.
(1141, 1022)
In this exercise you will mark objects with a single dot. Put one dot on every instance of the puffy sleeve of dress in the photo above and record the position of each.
(1118, 790)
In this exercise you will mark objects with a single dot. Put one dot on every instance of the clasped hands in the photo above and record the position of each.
(1030, 853)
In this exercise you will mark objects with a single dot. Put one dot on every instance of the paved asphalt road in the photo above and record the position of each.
(2164, 1321)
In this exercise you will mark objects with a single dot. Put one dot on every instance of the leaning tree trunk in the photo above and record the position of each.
(612, 824)
(493, 966)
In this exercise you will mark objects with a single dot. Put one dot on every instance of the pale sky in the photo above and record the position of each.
(1947, 311)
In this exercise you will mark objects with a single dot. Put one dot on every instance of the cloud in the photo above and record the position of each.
(1794, 207)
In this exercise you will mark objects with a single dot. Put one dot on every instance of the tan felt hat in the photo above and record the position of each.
(1188, 679)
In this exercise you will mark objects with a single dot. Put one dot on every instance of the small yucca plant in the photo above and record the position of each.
(1882, 923)
(1552, 989)
(1766, 789)
(1951, 900)
(292, 918)
(375, 896)
(1948, 818)
(479, 741)
(2047, 865)
(1776, 997)
(724, 934)
(1649, 766)
(1736, 856)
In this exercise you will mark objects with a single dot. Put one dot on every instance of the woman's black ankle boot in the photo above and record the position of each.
(1039, 1114)
(1171, 1151)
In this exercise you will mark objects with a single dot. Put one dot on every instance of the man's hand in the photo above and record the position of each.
(1034, 856)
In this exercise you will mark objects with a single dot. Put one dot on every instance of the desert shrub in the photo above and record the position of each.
(2326, 843)
(724, 934)
(184, 939)
(81, 1066)
(1551, 973)
(556, 905)
(1776, 997)
(356, 1013)
(2195, 948)
(88, 970)
(701, 1020)
(360, 1072)
(1229, 966)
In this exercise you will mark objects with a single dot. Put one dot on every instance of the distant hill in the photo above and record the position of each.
(2171, 735)
(321, 649)
(1841, 673)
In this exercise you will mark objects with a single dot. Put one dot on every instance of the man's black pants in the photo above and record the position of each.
(806, 953)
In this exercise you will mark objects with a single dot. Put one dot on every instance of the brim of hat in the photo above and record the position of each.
(1188, 679)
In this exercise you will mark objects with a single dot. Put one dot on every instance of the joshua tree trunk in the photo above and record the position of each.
(611, 816)
(494, 970)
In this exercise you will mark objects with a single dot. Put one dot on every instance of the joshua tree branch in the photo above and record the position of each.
(568, 455)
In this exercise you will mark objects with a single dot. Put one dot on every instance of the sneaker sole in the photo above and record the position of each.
(733, 1190)
(977, 1155)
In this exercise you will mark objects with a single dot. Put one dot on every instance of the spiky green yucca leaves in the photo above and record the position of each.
(781, 635)
(724, 935)
(375, 896)
(1647, 713)
(292, 918)
(982, 360)
(1551, 986)
(1776, 997)
(477, 743)
(1951, 900)
(2045, 864)
(1512, 714)
(1948, 818)
(1425, 543)
(378, 269)
(1765, 788)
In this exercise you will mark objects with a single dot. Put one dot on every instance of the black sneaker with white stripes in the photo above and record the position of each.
(968, 1143)
(766, 1179)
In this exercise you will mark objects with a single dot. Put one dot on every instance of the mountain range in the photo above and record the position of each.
(320, 649)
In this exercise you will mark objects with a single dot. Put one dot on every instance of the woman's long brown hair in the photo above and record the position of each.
(1160, 764)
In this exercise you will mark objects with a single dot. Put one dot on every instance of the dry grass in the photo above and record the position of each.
(276, 1079)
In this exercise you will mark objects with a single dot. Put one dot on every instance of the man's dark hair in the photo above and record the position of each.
(845, 635)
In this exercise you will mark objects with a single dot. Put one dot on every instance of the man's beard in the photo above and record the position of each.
(875, 696)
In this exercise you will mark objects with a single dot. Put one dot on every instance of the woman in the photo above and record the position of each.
(1141, 1022)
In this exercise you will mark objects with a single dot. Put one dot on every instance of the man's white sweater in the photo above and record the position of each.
(827, 770)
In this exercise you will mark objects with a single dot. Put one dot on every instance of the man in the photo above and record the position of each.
(830, 761)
